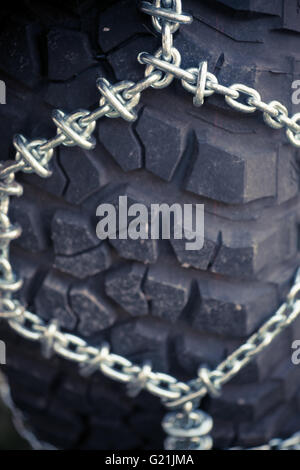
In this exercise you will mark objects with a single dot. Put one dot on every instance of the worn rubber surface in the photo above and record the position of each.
(152, 299)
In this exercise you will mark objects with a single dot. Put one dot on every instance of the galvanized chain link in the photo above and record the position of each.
(166, 18)
(120, 100)
(202, 83)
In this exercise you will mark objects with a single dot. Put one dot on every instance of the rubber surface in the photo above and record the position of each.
(153, 299)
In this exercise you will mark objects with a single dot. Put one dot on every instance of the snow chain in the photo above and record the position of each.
(186, 426)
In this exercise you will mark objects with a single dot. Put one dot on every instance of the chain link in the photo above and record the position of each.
(173, 393)
(120, 100)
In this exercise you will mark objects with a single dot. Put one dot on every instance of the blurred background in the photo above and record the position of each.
(9, 437)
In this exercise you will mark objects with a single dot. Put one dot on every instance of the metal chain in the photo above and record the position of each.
(187, 427)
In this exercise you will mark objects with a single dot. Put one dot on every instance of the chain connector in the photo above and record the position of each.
(172, 15)
(32, 159)
(74, 131)
(119, 105)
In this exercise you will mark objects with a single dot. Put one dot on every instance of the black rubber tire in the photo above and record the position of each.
(154, 300)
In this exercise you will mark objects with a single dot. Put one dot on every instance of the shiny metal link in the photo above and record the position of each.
(10, 187)
(140, 377)
(31, 157)
(50, 334)
(165, 386)
(249, 92)
(222, 90)
(199, 89)
(173, 14)
(71, 127)
(167, 41)
(273, 121)
(9, 168)
(8, 280)
(95, 357)
(113, 366)
(8, 231)
(188, 430)
(68, 347)
(169, 68)
(143, 84)
(10, 309)
(268, 109)
(113, 95)
(293, 136)
(292, 443)
(168, 77)
(56, 141)
(25, 325)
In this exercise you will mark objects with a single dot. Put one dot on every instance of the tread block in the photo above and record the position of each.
(19, 370)
(192, 351)
(145, 425)
(28, 401)
(117, 404)
(242, 29)
(86, 264)
(246, 403)
(233, 310)
(26, 268)
(288, 174)
(167, 292)
(186, 41)
(53, 14)
(124, 62)
(291, 16)
(126, 149)
(164, 140)
(223, 434)
(124, 285)
(72, 394)
(110, 33)
(11, 121)
(19, 56)
(27, 215)
(52, 301)
(253, 434)
(264, 363)
(145, 251)
(141, 340)
(63, 430)
(230, 178)
(80, 92)
(90, 171)
(246, 253)
(272, 7)
(69, 53)
(94, 312)
(54, 185)
(200, 259)
(287, 374)
(103, 436)
(72, 232)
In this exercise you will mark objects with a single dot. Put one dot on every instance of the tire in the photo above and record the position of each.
(154, 300)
